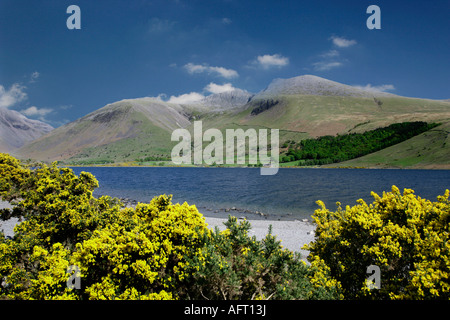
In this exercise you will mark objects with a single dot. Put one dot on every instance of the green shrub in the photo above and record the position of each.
(234, 265)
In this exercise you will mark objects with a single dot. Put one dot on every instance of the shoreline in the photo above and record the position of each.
(328, 166)
(213, 211)
(292, 233)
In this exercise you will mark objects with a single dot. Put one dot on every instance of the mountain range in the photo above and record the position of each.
(301, 107)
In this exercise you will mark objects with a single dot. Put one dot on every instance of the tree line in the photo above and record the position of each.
(333, 149)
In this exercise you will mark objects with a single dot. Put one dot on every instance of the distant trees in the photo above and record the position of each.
(329, 149)
(154, 158)
(91, 162)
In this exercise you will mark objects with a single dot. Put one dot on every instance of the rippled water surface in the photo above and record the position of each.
(291, 193)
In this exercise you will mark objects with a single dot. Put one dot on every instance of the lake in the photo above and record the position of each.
(290, 194)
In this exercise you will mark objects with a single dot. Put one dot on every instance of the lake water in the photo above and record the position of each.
(290, 194)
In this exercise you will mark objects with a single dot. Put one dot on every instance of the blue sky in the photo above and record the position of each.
(180, 50)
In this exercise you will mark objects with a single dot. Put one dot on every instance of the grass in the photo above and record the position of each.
(427, 150)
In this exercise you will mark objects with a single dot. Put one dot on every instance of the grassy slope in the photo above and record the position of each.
(321, 115)
(118, 132)
(145, 143)
(302, 117)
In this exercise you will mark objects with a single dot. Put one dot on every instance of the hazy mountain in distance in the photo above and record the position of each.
(17, 130)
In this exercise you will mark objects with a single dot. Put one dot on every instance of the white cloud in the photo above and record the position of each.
(276, 60)
(34, 76)
(380, 88)
(160, 97)
(325, 66)
(342, 42)
(331, 59)
(217, 88)
(330, 54)
(223, 72)
(195, 68)
(186, 98)
(195, 97)
(220, 71)
(33, 111)
(14, 95)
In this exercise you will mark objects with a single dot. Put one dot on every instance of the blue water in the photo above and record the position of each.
(290, 194)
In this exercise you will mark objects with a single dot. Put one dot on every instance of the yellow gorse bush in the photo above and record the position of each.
(122, 253)
(161, 250)
(158, 250)
(404, 235)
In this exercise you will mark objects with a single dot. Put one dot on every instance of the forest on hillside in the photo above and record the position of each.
(333, 149)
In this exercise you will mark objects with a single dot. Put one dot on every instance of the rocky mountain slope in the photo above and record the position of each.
(313, 85)
(116, 129)
(17, 130)
(227, 100)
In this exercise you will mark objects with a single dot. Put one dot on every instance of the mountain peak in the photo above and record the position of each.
(17, 130)
(314, 85)
(227, 100)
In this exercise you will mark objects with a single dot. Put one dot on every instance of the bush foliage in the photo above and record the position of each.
(161, 250)
(405, 236)
(158, 250)
(236, 266)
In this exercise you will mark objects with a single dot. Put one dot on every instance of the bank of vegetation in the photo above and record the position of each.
(162, 250)
(334, 149)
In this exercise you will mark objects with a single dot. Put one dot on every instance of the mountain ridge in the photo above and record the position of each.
(314, 85)
(141, 128)
(227, 100)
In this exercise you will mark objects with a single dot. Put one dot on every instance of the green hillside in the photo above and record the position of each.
(333, 149)
(429, 150)
(303, 117)
(118, 132)
(134, 130)
(316, 116)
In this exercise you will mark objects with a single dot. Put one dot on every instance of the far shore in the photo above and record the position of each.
(282, 165)
(329, 166)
